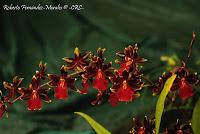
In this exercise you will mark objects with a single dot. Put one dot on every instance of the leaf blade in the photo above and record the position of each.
(95, 125)
(196, 118)
(161, 101)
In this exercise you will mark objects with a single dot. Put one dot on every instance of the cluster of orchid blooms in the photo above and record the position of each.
(148, 127)
(94, 71)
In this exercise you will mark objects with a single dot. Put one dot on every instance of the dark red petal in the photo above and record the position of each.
(85, 86)
(125, 93)
(68, 60)
(17, 81)
(141, 130)
(100, 82)
(113, 100)
(99, 98)
(123, 66)
(179, 132)
(34, 103)
(185, 89)
(84, 91)
(60, 92)
(35, 82)
(2, 109)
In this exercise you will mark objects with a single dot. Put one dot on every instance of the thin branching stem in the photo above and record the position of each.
(190, 47)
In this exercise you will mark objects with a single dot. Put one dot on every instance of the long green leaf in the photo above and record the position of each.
(95, 125)
(196, 118)
(161, 101)
(64, 132)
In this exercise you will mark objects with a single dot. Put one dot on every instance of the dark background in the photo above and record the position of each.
(160, 27)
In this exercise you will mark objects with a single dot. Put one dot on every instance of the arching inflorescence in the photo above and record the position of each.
(94, 71)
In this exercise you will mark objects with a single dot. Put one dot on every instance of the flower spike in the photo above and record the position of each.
(122, 84)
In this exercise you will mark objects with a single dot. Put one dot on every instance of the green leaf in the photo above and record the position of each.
(64, 132)
(196, 118)
(161, 101)
(136, 109)
(95, 125)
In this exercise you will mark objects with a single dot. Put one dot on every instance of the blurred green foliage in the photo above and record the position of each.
(27, 37)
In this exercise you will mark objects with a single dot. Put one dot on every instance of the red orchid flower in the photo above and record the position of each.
(99, 70)
(61, 83)
(34, 94)
(130, 59)
(125, 87)
(100, 82)
(13, 88)
(41, 74)
(180, 128)
(79, 62)
(183, 82)
(147, 127)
